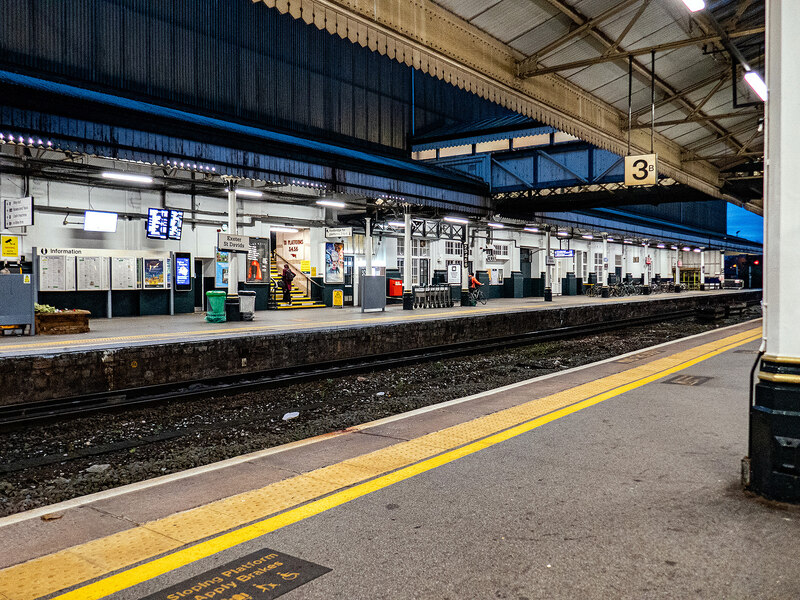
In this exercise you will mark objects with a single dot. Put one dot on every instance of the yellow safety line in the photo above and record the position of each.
(179, 558)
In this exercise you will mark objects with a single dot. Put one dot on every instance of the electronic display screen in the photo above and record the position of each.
(105, 222)
(564, 253)
(183, 271)
(175, 224)
(157, 223)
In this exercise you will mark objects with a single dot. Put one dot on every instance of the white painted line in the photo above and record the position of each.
(237, 460)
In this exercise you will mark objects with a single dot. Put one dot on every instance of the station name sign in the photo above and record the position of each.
(338, 232)
(233, 243)
(563, 253)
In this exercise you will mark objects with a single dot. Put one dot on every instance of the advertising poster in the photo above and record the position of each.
(258, 267)
(154, 273)
(221, 271)
(183, 272)
(334, 262)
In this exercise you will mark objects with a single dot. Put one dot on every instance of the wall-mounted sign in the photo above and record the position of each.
(549, 260)
(154, 275)
(338, 232)
(563, 253)
(221, 269)
(305, 266)
(454, 274)
(17, 212)
(9, 247)
(233, 243)
(641, 169)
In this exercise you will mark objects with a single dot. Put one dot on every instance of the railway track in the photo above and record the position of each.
(20, 415)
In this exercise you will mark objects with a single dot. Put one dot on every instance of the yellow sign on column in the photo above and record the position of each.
(9, 246)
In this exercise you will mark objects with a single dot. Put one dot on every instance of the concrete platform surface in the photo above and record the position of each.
(614, 480)
(123, 332)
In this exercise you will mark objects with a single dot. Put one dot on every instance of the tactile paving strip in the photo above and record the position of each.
(68, 568)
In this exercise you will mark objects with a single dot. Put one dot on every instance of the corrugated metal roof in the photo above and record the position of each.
(532, 25)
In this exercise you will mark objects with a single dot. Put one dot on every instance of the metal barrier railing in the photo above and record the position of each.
(432, 296)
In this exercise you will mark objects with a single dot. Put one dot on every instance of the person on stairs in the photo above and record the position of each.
(287, 276)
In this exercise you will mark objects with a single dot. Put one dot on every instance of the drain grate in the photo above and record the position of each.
(639, 356)
(688, 380)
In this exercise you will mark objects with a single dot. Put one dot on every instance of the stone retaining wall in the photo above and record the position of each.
(29, 379)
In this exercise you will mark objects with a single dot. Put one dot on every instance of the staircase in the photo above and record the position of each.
(300, 298)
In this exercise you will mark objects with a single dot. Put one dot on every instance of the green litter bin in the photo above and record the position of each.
(216, 306)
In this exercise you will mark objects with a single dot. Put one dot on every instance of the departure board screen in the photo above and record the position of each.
(157, 223)
(175, 224)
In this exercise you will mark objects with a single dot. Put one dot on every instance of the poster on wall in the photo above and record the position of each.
(123, 273)
(154, 275)
(334, 262)
(258, 267)
(57, 273)
(221, 270)
(454, 274)
(92, 273)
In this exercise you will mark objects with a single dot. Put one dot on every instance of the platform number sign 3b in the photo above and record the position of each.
(641, 170)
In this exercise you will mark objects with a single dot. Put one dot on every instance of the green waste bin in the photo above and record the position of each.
(216, 306)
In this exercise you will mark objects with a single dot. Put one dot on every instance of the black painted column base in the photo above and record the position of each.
(605, 292)
(548, 295)
(774, 450)
(408, 301)
(465, 298)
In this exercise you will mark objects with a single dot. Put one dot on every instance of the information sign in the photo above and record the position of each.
(233, 243)
(641, 169)
(262, 575)
(157, 223)
(338, 232)
(338, 298)
(549, 260)
(258, 261)
(563, 253)
(454, 274)
(175, 224)
(57, 273)
(92, 273)
(17, 212)
(154, 273)
(183, 271)
(305, 266)
(123, 273)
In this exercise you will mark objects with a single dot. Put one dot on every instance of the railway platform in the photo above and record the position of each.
(127, 353)
(616, 479)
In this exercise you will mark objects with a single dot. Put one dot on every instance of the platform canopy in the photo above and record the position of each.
(565, 63)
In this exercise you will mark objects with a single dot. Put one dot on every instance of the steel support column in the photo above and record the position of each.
(774, 448)
(408, 299)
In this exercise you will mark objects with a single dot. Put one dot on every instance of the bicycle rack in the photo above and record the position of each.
(431, 296)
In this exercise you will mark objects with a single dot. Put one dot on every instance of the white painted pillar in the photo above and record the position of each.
(677, 268)
(702, 267)
(368, 246)
(604, 273)
(775, 417)
(233, 273)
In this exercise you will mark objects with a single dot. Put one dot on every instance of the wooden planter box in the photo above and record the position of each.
(74, 321)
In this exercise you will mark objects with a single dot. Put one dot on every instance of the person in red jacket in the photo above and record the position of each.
(286, 278)
(473, 283)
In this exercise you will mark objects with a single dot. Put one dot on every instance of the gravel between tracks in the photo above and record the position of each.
(209, 430)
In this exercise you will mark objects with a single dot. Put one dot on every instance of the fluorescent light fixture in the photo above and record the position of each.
(696, 250)
(283, 229)
(496, 225)
(563, 233)
(131, 177)
(588, 236)
(661, 246)
(456, 220)
(95, 220)
(396, 224)
(248, 193)
(758, 85)
(331, 203)
(532, 229)
(674, 247)
(627, 242)
(686, 248)
(610, 239)
(694, 5)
